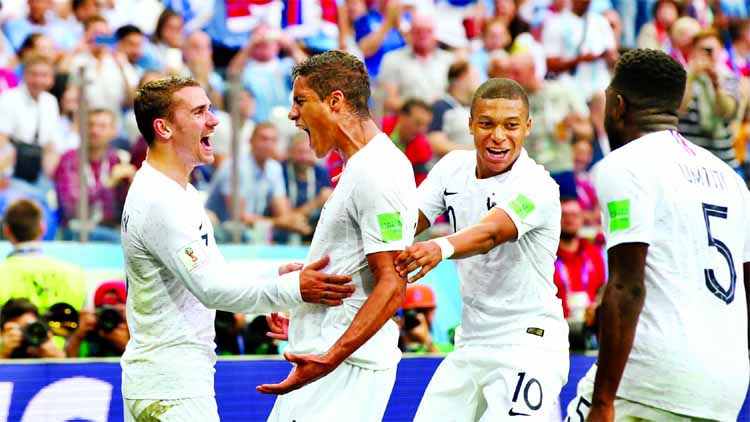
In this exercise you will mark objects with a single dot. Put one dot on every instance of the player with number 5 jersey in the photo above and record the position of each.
(511, 357)
(673, 322)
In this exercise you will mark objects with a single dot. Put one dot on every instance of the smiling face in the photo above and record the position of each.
(191, 126)
(313, 115)
(499, 127)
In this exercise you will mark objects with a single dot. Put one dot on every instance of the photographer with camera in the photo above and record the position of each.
(417, 314)
(24, 335)
(103, 332)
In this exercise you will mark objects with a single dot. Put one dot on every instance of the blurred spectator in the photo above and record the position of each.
(579, 274)
(262, 192)
(556, 108)
(130, 43)
(418, 70)
(31, 121)
(495, 36)
(104, 332)
(681, 35)
(110, 76)
(349, 12)
(196, 13)
(583, 155)
(199, 64)
(28, 272)
(38, 44)
(70, 137)
(41, 18)
(83, 10)
(499, 65)
(379, 31)
(655, 34)
(167, 42)
(264, 73)
(23, 334)
(408, 130)
(417, 314)
(307, 186)
(449, 129)
(506, 11)
(710, 101)
(739, 53)
(107, 182)
(140, 13)
(235, 336)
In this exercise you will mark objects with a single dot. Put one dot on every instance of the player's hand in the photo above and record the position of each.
(424, 255)
(308, 368)
(319, 287)
(279, 326)
(290, 267)
(601, 413)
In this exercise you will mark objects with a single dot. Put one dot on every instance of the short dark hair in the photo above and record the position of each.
(457, 69)
(504, 88)
(126, 30)
(413, 103)
(650, 78)
(24, 220)
(336, 70)
(154, 100)
(16, 307)
(737, 27)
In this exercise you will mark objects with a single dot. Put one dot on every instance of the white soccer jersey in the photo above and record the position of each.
(508, 293)
(373, 209)
(689, 355)
(176, 278)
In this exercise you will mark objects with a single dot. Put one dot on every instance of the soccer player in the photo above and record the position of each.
(352, 350)
(175, 273)
(511, 357)
(673, 320)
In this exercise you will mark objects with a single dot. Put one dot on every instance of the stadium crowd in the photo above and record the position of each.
(69, 71)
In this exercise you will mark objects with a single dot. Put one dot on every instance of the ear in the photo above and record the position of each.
(162, 129)
(42, 229)
(471, 126)
(620, 108)
(527, 131)
(6, 232)
(335, 100)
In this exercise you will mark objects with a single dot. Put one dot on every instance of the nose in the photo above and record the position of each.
(212, 121)
(293, 113)
(498, 135)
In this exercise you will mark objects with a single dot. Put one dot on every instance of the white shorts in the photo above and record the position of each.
(178, 410)
(496, 384)
(359, 394)
(625, 410)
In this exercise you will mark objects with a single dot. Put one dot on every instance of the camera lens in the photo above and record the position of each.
(109, 318)
(35, 333)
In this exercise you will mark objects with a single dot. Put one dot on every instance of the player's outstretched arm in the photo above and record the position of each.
(618, 316)
(385, 299)
(494, 229)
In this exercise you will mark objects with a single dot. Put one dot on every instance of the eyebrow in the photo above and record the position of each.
(201, 107)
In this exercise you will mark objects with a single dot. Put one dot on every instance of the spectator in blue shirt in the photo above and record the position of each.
(379, 32)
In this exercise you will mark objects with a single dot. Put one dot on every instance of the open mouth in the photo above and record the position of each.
(498, 153)
(206, 141)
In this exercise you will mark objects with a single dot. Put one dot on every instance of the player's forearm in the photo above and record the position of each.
(384, 301)
(618, 317)
(477, 239)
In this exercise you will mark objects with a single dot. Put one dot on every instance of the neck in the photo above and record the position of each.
(353, 133)
(649, 121)
(300, 171)
(97, 153)
(167, 163)
(461, 97)
(570, 245)
(38, 19)
(260, 162)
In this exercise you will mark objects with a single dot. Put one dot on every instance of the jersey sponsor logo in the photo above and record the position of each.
(446, 193)
(522, 206)
(391, 228)
(619, 215)
(193, 255)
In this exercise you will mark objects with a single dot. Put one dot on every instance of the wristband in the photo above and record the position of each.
(446, 247)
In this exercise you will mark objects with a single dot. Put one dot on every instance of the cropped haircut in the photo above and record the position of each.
(503, 88)
(126, 30)
(335, 70)
(155, 100)
(24, 220)
(650, 78)
(413, 103)
(457, 70)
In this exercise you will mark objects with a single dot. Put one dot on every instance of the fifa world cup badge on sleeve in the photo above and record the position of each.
(619, 215)
(522, 206)
(193, 255)
(391, 228)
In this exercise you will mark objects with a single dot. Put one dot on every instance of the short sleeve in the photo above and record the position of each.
(627, 202)
(531, 205)
(386, 212)
(361, 27)
(430, 191)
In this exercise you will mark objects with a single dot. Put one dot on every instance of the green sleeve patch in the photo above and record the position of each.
(619, 215)
(522, 206)
(390, 226)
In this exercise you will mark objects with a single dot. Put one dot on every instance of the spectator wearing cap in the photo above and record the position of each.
(22, 335)
(417, 315)
(103, 332)
(28, 272)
